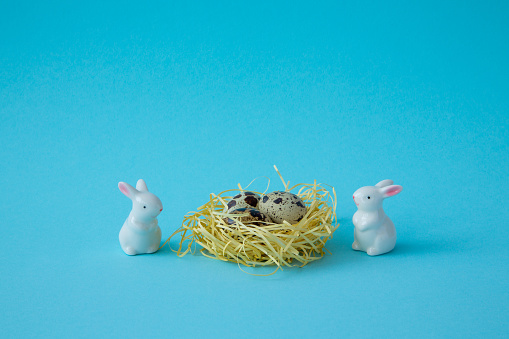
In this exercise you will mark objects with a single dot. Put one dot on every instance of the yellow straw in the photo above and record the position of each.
(271, 244)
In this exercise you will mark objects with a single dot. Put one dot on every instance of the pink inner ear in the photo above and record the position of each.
(393, 191)
(123, 189)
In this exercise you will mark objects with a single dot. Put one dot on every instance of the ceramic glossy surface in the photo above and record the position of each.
(374, 232)
(140, 233)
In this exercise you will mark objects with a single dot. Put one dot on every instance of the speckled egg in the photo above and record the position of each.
(254, 217)
(281, 206)
(243, 200)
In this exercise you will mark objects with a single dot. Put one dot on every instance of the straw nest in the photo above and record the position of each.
(271, 244)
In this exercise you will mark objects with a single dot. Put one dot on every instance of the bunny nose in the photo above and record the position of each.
(160, 210)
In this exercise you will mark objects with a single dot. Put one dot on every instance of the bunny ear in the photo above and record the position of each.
(127, 189)
(384, 183)
(141, 185)
(389, 191)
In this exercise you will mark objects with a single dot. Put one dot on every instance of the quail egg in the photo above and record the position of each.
(254, 217)
(281, 206)
(243, 200)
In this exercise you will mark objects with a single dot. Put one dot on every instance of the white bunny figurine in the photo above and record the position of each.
(140, 233)
(374, 232)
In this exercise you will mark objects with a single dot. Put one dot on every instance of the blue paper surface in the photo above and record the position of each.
(197, 97)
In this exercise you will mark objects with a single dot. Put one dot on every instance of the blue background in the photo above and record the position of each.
(199, 96)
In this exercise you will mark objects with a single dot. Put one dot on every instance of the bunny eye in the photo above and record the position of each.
(144, 206)
(369, 197)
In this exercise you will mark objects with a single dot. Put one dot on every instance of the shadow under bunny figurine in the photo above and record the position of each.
(140, 233)
(374, 232)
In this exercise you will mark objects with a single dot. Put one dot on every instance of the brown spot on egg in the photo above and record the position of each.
(254, 217)
(232, 203)
(256, 214)
(251, 201)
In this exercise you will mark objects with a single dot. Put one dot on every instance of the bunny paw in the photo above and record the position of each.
(355, 246)
(130, 251)
(372, 251)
